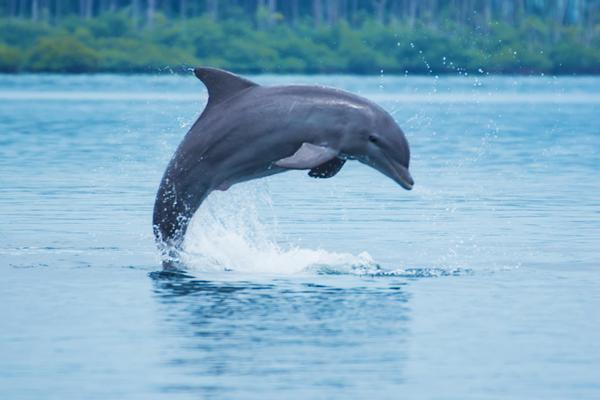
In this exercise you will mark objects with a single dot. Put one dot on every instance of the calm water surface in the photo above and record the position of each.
(481, 283)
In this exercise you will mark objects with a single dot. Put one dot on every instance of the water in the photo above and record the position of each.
(481, 283)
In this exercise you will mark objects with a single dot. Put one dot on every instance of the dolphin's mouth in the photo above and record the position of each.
(403, 177)
(394, 170)
(400, 174)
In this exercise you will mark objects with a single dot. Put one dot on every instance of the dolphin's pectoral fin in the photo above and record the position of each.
(308, 156)
(328, 169)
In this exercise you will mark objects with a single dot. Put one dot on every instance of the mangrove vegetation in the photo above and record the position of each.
(316, 36)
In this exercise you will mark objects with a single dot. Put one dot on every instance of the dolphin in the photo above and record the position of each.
(248, 131)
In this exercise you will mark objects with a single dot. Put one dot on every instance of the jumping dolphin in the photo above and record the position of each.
(248, 131)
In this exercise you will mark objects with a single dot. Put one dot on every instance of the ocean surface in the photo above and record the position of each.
(481, 283)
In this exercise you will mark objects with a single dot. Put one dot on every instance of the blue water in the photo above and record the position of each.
(481, 283)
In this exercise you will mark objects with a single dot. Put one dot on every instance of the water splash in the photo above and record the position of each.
(232, 233)
(227, 234)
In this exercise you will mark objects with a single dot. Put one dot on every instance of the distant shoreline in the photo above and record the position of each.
(189, 71)
(112, 43)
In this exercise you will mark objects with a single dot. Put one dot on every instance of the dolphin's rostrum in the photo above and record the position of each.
(248, 131)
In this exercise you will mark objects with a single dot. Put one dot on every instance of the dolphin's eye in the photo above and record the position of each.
(373, 139)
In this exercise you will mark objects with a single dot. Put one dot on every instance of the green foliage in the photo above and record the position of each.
(22, 33)
(113, 42)
(111, 25)
(62, 54)
(10, 58)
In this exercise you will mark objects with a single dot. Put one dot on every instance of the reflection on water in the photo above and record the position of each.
(284, 334)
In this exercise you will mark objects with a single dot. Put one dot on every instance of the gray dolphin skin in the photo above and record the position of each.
(248, 131)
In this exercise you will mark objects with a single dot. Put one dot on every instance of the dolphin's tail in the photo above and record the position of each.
(174, 208)
(170, 218)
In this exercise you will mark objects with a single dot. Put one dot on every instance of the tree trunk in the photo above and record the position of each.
(379, 6)
(85, 8)
(57, 9)
(332, 11)
(412, 12)
(44, 10)
(317, 12)
(431, 12)
(343, 10)
(182, 9)
(12, 8)
(518, 11)
(34, 10)
(505, 11)
(487, 13)
(295, 12)
(353, 10)
(573, 13)
(135, 11)
(212, 8)
(150, 12)
(21, 11)
(272, 10)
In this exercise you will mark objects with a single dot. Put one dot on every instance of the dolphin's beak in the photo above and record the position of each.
(394, 170)
(402, 176)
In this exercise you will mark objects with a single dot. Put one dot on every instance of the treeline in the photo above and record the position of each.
(574, 12)
(353, 36)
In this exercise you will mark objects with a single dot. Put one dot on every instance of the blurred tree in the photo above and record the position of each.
(62, 54)
(312, 35)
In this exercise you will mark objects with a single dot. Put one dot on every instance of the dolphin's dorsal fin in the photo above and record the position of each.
(221, 84)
